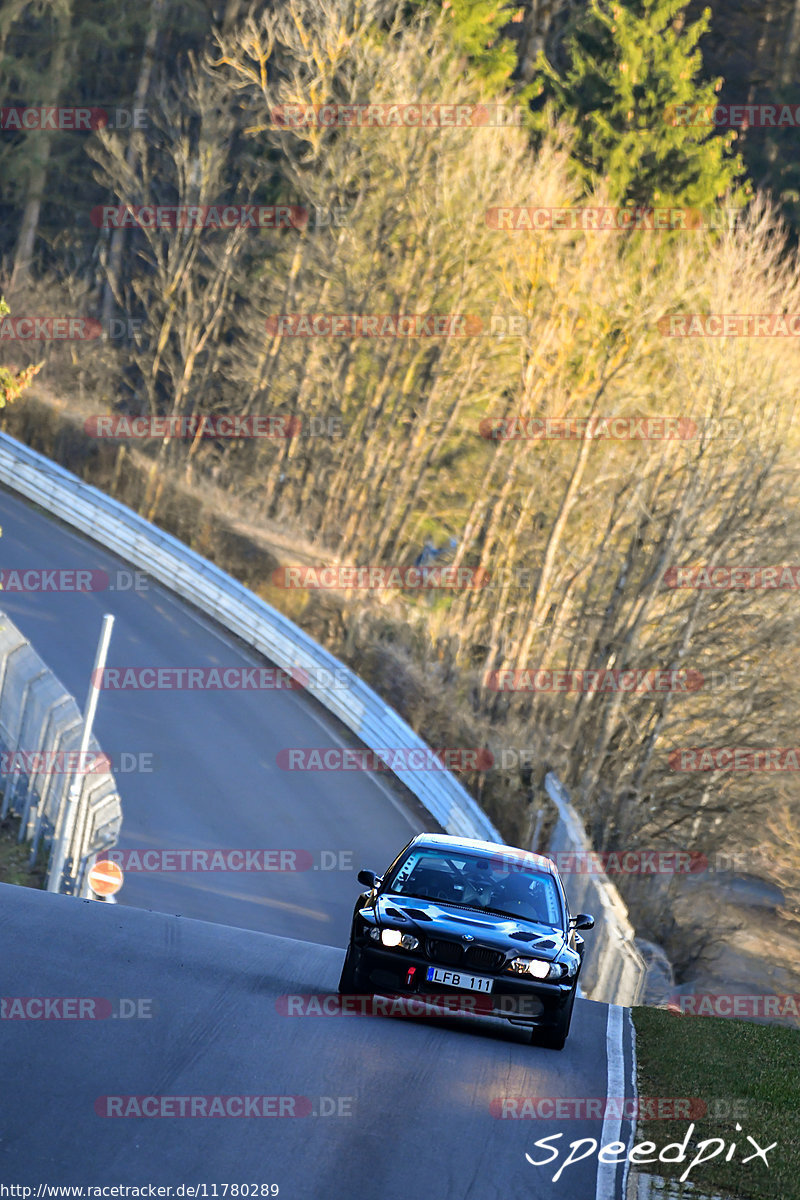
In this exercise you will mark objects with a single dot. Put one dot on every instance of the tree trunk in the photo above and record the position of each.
(43, 142)
(111, 291)
(788, 68)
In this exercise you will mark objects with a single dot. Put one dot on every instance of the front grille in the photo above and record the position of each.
(484, 958)
(445, 952)
(481, 958)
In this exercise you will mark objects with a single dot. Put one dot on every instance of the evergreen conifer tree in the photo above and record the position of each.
(642, 114)
(477, 25)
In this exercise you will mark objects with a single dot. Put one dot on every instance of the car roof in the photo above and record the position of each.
(447, 841)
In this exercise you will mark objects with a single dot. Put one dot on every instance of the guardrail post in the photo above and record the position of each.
(43, 790)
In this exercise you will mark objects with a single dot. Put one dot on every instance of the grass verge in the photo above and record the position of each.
(743, 1072)
(14, 857)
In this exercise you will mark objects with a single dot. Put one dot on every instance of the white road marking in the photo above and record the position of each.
(615, 1087)
(633, 1092)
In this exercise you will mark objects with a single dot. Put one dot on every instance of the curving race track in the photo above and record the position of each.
(411, 1099)
(214, 780)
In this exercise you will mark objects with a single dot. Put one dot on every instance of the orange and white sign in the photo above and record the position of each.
(105, 878)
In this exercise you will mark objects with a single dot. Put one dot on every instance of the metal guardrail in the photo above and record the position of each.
(613, 969)
(221, 596)
(40, 735)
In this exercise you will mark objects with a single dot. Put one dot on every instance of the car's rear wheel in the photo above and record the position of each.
(553, 1037)
(349, 978)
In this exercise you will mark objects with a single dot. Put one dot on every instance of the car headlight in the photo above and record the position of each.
(394, 938)
(535, 967)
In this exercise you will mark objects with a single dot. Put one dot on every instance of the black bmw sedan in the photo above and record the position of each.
(487, 923)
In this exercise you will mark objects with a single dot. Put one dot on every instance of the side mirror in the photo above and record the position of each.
(582, 921)
(368, 878)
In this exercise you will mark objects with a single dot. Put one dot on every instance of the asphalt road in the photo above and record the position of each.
(383, 1106)
(205, 773)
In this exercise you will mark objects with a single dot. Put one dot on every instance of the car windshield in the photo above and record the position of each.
(503, 885)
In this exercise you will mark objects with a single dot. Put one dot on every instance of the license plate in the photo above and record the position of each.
(459, 979)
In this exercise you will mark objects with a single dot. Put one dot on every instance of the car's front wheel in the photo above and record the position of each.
(553, 1037)
(349, 978)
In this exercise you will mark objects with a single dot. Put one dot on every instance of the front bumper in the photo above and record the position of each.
(516, 999)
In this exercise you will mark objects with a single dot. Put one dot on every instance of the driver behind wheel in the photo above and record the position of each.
(477, 891)
(448, 888)
(515, 897)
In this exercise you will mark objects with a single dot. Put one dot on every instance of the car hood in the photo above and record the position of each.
(435, 918)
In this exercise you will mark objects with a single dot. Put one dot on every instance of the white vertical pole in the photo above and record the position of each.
(68, 828)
